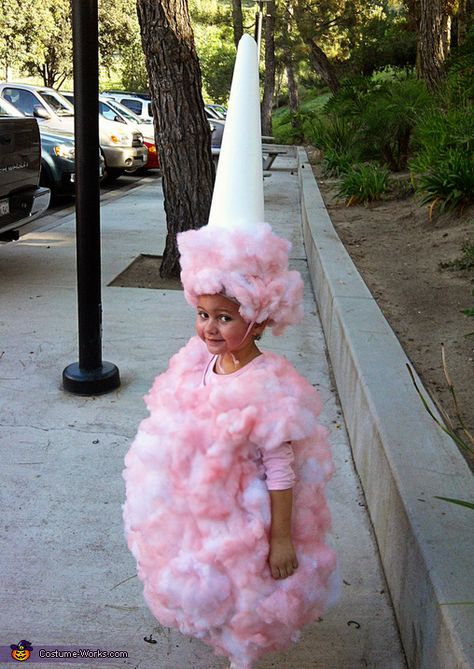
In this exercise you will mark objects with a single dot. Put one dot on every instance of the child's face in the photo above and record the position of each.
(220, 325)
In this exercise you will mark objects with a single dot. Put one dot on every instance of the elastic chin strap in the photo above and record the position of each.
(247, 333)
(234, 359)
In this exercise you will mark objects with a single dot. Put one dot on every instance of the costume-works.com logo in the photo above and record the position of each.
(21, 651)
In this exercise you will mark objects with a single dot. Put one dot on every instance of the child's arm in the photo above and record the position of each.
(282, 556)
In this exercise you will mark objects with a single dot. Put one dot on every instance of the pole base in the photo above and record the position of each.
(91, 382)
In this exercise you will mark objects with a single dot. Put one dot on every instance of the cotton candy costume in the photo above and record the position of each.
(197, 512)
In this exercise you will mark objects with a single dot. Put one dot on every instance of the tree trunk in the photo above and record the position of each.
(269, 81)
(181, 127)
(431, 54)
(446, 35)
(237, 21)
(323, 67)
(292, 94)
(288, 60)
(413, 7)
(463, 18)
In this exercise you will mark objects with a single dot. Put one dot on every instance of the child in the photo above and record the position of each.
(225, 510)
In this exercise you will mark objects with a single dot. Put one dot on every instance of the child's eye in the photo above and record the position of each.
(202, 314)
(225, 318)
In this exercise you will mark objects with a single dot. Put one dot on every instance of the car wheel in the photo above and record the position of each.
(47, 183)
(111, 174)
(137, 171)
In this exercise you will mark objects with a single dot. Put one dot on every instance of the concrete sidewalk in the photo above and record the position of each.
(68, 578)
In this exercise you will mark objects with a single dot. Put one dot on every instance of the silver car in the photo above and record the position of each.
(121, 147)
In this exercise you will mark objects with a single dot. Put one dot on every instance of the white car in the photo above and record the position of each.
(139, 104)
(121, 146)
(113, 110)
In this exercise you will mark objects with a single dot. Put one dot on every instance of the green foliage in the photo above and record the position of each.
(459, 88)
(443, 168)
(364, 183)
(382, 113)
(470, 313)
(336, 133)
(389, 119)
(13, 23)
(214, 40)
(216, 57)
(337, 163)
(461, 436)
(349, 101)
(449, 183)
(36, 35)
(438, 131)
(384, 41)
(48, 38)
(459, 502)
(118, 28)
(134, 75)
(287, 133)
(466, 261)
(291, 128)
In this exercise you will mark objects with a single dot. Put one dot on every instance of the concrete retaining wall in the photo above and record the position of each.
(402, 457)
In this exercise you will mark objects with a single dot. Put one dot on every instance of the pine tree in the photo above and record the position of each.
(183, 133)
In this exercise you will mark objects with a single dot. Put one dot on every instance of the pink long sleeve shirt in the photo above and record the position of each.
(275, 467)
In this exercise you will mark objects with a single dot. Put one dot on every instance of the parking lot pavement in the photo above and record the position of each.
(68, 577)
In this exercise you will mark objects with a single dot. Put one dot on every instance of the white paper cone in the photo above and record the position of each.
(237, 201)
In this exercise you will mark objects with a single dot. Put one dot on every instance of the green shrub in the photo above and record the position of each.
(459, 86)
(336, 133)
(466, 261)
(349, 100)
(291, 128)
(449, 183)
(364, 183)
(286, 133)
(439, 130)
(384, 41)
(335, 164)
(388, 119)
(382, 113)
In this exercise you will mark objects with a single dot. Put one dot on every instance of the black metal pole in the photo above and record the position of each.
(91, 375)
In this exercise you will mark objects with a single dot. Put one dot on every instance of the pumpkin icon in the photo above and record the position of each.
(21, 651)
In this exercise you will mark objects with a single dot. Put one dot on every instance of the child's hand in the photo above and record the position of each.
(282, 558)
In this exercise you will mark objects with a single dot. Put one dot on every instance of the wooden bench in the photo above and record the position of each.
(270, 153)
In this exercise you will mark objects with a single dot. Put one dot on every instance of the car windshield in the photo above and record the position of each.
(110, 113)
(6, 109)
(123, 111)
(222, 111)
(58, 103)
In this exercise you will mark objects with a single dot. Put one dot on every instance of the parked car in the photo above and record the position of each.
(218, 111)
(217, 130)
(138, 103)
(112, 110)
(121, 147)
(111, 107)
(22, 199)
(58, 165)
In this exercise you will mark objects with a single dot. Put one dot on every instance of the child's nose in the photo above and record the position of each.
(211, 325)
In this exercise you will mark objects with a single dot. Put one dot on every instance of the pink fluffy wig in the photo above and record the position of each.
(250, 266)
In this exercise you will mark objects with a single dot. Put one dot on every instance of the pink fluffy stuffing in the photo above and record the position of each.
(197, 516)
(252, 268)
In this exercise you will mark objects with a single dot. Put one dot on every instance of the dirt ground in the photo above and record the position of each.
(399, 253)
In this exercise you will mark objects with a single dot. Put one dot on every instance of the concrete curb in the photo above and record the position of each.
(403, 459)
